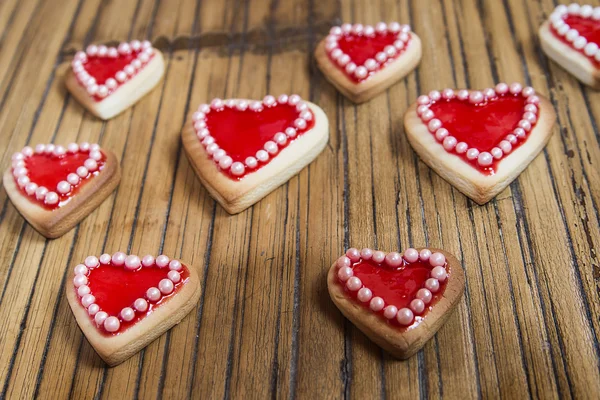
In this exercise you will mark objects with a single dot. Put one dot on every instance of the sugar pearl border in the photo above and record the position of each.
(424, 296)
(557, 19)
(132, 262)
(41, 193)
(270, 148)
(390, 52)
(450, 143)
(124, 48)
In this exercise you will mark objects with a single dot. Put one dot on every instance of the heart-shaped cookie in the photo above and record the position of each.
(362, 61)
(54, 187)
(122, 303)
(480, 141)
(108, 80)
(398, 300)
(242, 150)
(571, 37)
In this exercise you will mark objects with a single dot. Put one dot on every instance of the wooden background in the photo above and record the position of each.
(528, 324)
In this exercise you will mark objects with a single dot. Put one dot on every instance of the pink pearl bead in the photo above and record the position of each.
(80, 269)
(462, 94)
(533, 100)
(423, 100)
(432, 284)
(515, 88)
(354, 284)
(393, 259)
(153, 294)
(127, 314)
(91, 262)
(175, 265)
(441, 133)
(501, 88)
(425, 295)
(530, 117)
(528, 91)
(80, 280)
(148, 260)
(437, 259)
(366, 254)
(390, 312)
(93, 309)
(505, 146)
(118, 258)
(434, 125)
(461, 147)
(376, 304)
(105, 259)
(364, 294)
(343, 261)
(411, 255)
(475, 97)
(132, 262)
(87, 300)
(439, 273)
(141, 305)
(353, 254)
(345, 273)
(405, 316)
(378, 257)
(417, 306)
(485, 159)
(512, 139)
(165, 286)
(497, 153)
(448, 94)
(162, 261)
(489, 93)
(112, 324)
(422, 109)
(435, 95)
(472, 154)
(174, 276)
(100, 317)
(425, 254)
(531, 108)
(449, 143)
(427, 115)
(83, 290)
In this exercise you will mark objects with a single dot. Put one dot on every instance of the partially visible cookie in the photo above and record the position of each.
(122, 303)
(480, 141)
(398, 300)
(362, 61)
(108, 80)
(571, 37)
(55, 187)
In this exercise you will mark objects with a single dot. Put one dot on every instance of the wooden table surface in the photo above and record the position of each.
(529, 322)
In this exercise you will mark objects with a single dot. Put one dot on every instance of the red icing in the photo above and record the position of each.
(103, 68)
(48, 170)
(397, 286)
(242, 133)
(361, 47)
(587, 27)
(482, 126)
(115, 288)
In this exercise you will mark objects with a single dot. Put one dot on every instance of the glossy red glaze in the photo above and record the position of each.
(396, 286)
(482, 126)
(360, 48)
(587, 27)
(115, 288)
(48, 170)
(102, 68)
(242, 133)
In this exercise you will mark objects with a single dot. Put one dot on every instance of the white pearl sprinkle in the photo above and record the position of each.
(100, 317)
(127, 314)
(162, 261)
(141, 305)
(132, 262)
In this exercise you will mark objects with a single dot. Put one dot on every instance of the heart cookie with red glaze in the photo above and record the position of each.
(122, 303)
(398, 300)
(362, 61)
(242, 150)
(54, 187)
(108, 80)
(480, 141)
(571, 37)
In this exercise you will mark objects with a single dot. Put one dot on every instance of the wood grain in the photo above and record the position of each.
(529, 322)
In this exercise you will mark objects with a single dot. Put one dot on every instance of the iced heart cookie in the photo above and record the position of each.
(362, 61)
(480, 141)
(398, 300)
(108, 80)
(122, 303)
(242, 149)
(54, 187)
(571, 37)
